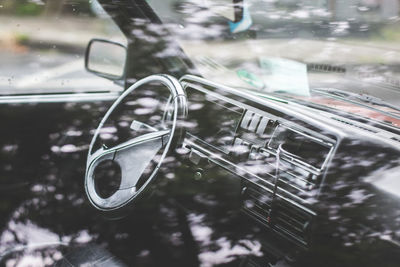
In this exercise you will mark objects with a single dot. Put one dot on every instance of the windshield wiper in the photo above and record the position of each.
(359, 99)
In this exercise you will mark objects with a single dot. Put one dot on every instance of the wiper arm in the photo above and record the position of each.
(359, 99)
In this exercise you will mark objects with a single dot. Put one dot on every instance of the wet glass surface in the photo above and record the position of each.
(295, 164)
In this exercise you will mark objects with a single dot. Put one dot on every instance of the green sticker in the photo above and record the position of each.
(250, 78)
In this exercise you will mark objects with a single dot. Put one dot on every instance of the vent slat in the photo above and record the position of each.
(286, 218)
(293, 229)
(354, 125)
(291, 220)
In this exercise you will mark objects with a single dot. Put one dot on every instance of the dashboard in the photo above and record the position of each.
(281, 163)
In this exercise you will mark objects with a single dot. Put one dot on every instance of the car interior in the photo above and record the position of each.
(208, 154)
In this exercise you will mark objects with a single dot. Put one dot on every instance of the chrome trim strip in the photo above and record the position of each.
(59, 98)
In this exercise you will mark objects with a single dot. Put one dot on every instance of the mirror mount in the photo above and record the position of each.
(232, 10)
(106, 59)
(238, 6)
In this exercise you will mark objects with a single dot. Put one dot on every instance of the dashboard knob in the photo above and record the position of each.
(198, 174)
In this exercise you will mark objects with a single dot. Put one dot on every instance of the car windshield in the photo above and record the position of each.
(200, 133)
(314, 51)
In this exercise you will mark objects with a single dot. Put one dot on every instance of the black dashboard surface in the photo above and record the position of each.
(281, 163)
(296, 166)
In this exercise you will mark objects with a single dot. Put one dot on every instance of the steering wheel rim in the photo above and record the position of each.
(124, 196)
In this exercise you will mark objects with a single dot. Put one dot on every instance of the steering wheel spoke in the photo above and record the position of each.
(133, 157)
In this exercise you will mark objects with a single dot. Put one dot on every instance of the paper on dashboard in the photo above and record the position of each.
(285, 75)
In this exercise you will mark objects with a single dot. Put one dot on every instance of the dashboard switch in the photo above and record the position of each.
(246, 119)
(254, 123)
(253, 153)
(238, 142)
(263, 124)
(197, 158)
(241, 149)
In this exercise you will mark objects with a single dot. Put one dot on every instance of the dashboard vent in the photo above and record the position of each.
(325, 68)
(283, 217)
(257, 203)
(379, 79)
(296, 184)
(354, 125)
(395, 139)
(291, 221)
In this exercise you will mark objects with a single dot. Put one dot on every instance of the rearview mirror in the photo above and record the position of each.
(106, 59)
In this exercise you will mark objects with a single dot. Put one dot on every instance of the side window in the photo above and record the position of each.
(42, 46)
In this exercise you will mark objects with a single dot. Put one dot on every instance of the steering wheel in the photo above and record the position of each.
(137, 160)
